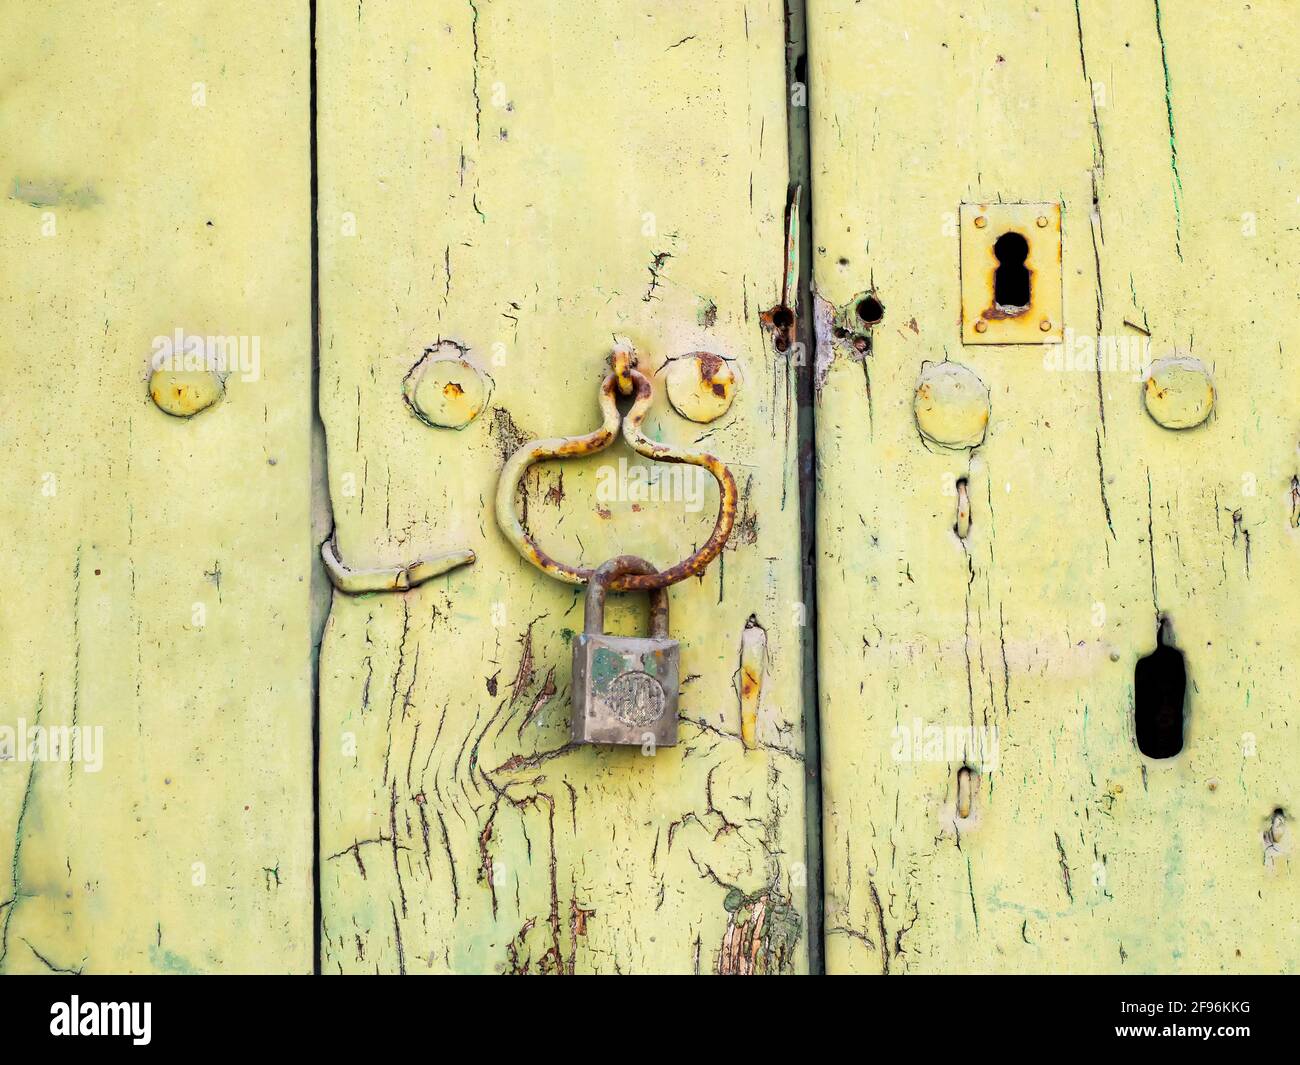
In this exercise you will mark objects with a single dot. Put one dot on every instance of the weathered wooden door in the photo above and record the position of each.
(265, 763)
(998, 592)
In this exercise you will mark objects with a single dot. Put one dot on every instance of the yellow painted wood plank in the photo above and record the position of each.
(528, 182)
(154, 162)
(1086, 517)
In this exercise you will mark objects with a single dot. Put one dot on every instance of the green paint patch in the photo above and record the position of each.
(53, 194)
(166, 961)
(605, 666)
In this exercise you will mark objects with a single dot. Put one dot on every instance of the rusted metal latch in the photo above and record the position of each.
(625, 379)
(388, 578)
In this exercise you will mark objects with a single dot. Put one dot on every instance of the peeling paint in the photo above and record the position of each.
(512, 848)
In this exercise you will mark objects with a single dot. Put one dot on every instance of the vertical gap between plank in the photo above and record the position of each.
(798, 139)
(318, 479)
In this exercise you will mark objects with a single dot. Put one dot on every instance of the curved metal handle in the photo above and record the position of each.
(628, 379)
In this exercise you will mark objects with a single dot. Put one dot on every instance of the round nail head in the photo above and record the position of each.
(951, 405)
(701, 386)
(1178, 392)
(445, 391)
(183, 393)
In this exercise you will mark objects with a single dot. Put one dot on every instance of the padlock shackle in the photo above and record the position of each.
(621, 566)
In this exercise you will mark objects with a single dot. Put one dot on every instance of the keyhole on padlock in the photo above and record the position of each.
(1159, 693)
(1011, 290)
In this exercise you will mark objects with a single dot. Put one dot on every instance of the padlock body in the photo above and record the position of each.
(625, 689)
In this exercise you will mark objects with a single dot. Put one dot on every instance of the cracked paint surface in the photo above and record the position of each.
(461, 828)
(1088, 518)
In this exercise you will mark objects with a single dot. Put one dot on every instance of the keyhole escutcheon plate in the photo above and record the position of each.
(1011, 273)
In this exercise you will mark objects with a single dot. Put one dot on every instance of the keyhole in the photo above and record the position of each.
(1011, 278)
(1159, 690)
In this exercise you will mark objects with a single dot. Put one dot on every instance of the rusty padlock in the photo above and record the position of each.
(624, 687)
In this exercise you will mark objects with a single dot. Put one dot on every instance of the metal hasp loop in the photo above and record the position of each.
(625, 378)
(594, 611)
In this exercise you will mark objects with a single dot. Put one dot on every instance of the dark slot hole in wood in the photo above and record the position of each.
(1159, 697)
